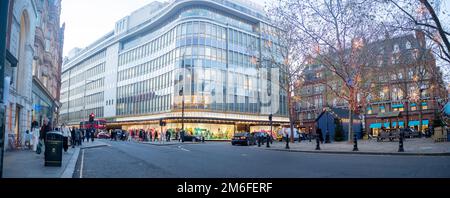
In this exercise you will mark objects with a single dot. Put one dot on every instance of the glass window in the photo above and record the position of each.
(190, 28)
(196, 28)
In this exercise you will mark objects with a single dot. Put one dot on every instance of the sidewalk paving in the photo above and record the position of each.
(28, 164)
(420, 146)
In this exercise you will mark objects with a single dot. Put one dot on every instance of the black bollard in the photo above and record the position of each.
(287, 141)
(355, 146)
(317, 143)
(400, 146)
(309, 135)
(268, 142)
(259, 141)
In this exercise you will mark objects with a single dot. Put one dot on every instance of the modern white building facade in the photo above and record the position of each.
(203, 52)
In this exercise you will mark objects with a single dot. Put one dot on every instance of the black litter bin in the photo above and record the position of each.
(53, 148)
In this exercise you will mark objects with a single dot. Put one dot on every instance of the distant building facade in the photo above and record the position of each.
(408, 78)
(203, 52)
(47, 61)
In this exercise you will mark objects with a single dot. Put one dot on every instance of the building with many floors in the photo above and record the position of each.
(191, 63)
(47, 61)
(20, 35)
(410, 91)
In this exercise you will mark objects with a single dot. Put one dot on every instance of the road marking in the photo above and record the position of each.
(183, 149)
(82, 160)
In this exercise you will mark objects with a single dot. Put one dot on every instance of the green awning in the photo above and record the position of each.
(397, 106)
(417, 123)
(375, 126)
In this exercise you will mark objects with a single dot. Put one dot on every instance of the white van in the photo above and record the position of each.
(285, 131)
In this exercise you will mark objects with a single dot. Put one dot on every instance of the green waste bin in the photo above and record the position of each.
(53, 148)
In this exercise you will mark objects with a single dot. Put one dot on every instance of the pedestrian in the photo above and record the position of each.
(46, 127)
(150, 135)
(92, 134)
(66, 134)
(35, 131)
(182, 135)
(140, 135)
(319, 133)
(72, 137)
(156, 135)
(87, 134)
(78, 137)
(168, 135)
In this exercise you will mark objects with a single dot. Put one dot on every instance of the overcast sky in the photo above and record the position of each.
(88, 20)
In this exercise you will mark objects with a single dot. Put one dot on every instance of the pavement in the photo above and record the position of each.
(28, 164)
(417, 146)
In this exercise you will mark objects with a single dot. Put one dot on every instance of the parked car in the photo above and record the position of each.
(103, 135)
(190, 138)
(245, 138)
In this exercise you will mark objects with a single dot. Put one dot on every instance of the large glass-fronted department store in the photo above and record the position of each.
(206, 53)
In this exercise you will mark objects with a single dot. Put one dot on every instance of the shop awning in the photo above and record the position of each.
(375, 126)
(397, 106)
(417, 123)
(386, 125)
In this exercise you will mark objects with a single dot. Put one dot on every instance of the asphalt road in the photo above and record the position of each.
(221, 160)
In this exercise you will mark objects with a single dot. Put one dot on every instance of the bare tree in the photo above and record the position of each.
(410, 15)
(336, 33)
(281, 50)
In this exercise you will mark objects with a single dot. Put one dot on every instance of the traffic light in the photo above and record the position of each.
(162, 123)
(270, 117)
(91, 117)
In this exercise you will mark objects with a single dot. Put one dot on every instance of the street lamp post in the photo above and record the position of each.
(182, 108)
(84, 98)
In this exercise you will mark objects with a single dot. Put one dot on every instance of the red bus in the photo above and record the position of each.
(98, 125)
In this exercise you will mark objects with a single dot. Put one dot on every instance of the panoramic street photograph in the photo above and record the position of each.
(231, 89)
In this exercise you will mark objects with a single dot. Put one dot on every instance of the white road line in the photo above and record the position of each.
(183, 149)
(82, 162)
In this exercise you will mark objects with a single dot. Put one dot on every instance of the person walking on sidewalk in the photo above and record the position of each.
(35, 131)
(72, 137)
(319, 133)
(66, 135)
(44, 130)
(87, 134)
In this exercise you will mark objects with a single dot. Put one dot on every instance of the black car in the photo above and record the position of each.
(190, 138)
(243, 139)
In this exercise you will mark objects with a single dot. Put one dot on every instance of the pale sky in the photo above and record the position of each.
(88, 20)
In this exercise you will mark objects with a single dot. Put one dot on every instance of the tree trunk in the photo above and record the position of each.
(420, 115)
(291, 114)
(350, 123)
